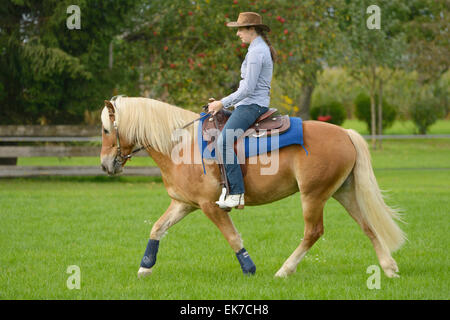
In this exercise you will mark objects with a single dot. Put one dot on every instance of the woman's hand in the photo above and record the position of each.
(215, 106)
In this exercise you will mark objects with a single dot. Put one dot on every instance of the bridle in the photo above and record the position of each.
(120, 158)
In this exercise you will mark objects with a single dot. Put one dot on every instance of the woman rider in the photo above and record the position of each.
(251, 100)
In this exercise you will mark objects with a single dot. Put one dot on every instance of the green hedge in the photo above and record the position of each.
(362, 111)
(332, 112)
(424, 113)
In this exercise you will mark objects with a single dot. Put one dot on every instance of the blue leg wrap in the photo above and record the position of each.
(247, 265)
(149, 258)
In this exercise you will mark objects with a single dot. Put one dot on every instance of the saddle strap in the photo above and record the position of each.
(223, 174)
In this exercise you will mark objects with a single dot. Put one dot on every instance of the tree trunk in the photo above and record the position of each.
(373, 115)
(305, 101)
(380, 111)
(373, 119)
(111, 55)
(141, 79)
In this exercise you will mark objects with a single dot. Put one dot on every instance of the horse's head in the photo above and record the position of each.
(114, 147)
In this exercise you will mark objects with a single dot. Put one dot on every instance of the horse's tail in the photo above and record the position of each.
(378, 216)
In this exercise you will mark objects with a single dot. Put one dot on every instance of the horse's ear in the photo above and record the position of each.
(111, 110)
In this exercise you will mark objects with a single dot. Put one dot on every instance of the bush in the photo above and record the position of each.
(332, 112)
(362, 111)
(426, 112)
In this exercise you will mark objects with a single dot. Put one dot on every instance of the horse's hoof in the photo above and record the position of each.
(281, 274)
(390, 268)
(144, 272)
(391, 274)
(284, 272)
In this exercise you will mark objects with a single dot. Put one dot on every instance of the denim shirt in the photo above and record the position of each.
(256, 74)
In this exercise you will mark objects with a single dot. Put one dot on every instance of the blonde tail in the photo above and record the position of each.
(378, 216)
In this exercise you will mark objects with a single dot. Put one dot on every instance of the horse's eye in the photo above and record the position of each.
(105, 131)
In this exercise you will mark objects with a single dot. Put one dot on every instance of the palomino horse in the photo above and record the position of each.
(338, 165)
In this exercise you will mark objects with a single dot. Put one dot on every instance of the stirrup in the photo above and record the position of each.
(226, 202)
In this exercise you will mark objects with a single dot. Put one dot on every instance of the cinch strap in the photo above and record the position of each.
(305, 149)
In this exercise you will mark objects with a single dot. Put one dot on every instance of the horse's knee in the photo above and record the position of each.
(158, 230)
(154, 234)
(236, 241)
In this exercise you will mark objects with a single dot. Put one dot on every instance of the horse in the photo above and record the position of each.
(338, 165)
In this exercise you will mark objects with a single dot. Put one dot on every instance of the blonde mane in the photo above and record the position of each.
(149, 122)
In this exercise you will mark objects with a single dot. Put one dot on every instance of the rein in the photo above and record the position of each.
(205, 107)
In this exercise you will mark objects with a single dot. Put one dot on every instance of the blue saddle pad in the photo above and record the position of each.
(255, 146)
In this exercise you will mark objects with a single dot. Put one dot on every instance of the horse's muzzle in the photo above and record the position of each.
(111, 166)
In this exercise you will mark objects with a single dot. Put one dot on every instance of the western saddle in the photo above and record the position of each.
(266, 125)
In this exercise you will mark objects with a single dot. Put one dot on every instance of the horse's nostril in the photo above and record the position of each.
(103, 167)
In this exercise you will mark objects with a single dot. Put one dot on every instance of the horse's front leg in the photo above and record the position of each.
(175, 212)
(223, 221)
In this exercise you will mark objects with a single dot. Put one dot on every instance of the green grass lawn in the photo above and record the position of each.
(399, 127)
(102, 224)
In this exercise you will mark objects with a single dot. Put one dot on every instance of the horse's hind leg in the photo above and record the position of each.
(176, 211)
(313, 217)
(347, 197)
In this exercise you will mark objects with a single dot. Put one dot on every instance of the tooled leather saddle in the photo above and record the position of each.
(266, 125)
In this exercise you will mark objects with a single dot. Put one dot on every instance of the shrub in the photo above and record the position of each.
(332, 112)
(362, 111)
(424, 113)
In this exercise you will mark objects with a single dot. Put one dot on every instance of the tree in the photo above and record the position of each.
(177, 51)
(336, 84)
(182, 52)
(370, 48)
(51, 74)
(187, 53)
(305, 32)
(427, 36)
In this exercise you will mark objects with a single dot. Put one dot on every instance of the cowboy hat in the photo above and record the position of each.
(248, 19)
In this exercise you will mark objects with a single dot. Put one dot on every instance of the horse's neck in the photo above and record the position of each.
(163, 162)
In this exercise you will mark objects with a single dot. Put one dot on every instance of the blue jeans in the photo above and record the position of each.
(240, 120)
